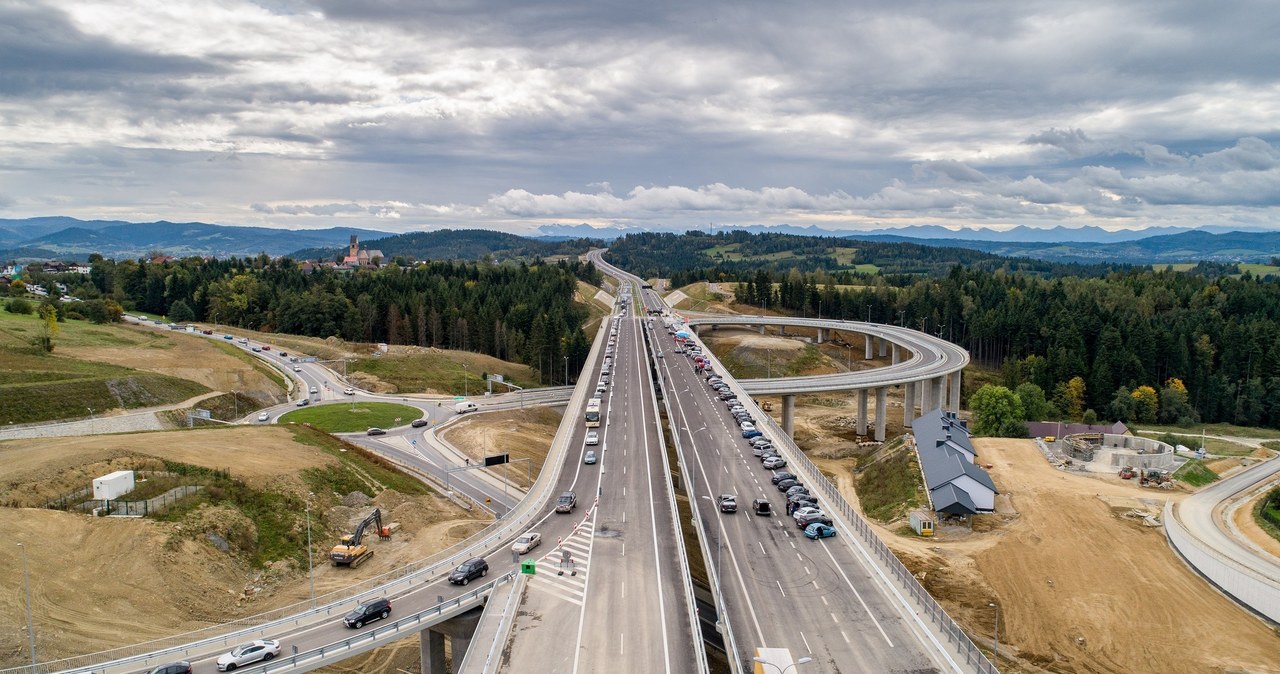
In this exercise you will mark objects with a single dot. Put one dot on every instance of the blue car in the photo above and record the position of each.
(751, 434)
(819, 530)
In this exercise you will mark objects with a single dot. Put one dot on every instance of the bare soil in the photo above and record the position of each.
(98, 583)
(523, 434)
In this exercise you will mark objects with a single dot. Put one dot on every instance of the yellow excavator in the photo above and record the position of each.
(350, 551)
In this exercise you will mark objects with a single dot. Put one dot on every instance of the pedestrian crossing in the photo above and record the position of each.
(562, 572)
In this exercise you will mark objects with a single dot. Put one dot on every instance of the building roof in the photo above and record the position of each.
(944, 448)
(952, 500)
(1040, 429)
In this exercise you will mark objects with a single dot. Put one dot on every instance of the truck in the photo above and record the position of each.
(351, 550)
(464, 407)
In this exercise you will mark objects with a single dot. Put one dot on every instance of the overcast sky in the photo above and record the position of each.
(411, 114)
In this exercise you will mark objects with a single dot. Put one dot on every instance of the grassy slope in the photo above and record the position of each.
(1195, 473)
(43, 387)
(354, 417)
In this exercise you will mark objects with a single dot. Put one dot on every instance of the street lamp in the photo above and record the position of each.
(310, 566)
(566, 370)
(901, 315)
(91, 420)
(31, 633)
(996, 652)
(783, 670)
(466, 391)
(235, 400)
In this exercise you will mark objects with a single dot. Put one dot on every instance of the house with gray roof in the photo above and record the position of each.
(956, 484)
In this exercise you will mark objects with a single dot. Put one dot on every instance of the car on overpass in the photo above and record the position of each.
(526, 543)
(244, 654)
(469, 570)
(367, 612)
(182, 667)
(728, 503)
(806, 516)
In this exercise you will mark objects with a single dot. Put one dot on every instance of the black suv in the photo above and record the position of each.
(782, 476)
(472, 568)
(369, 611)
(172, 668)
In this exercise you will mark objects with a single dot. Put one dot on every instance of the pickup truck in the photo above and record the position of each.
(567, 502)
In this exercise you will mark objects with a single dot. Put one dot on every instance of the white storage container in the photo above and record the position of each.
(110, 487)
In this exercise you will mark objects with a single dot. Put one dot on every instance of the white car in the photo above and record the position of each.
(313, 390)
(254, 651)
(349, 391)
(774, 462)
(297, 368)
(526, 543)
(593, 438)
(264, 416)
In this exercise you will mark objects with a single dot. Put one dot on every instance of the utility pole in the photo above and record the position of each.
(31, 633)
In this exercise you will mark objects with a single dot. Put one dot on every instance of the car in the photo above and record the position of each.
(469, 570)
(774, 462)
(304, 402)
(728, 503)
(593, 438)
(751, 433)
(567, 502)
(589, 458)
(264, 416)
(784, 485)
(659, 354)
(762, 450)
(297, 368)
(367, 612)
(244, 654)
(228, 337)
(761, 441)
(801, 500)
(819, 530)
(375, 431)
(761, 506)
(284, 354)
(806, 516)
(526, 542)
(419, 423)
(779, 477)
(206, 332)
(796, 489)
(265, 347)
(313, 390)
(256, 349)
(182, 667)
(348, 391)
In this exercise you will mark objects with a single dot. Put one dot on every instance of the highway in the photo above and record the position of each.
(629, 600)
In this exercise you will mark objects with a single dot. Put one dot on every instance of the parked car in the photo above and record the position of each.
(797, 489)
(779, 477)
(759, 450)
(774, 462)
(375, 431)
(761, 441)
(819, 530)
(784, 485)
(244, 654)
(752, 433)
(728, 503)
(419, 423)
(806, 516)
(589, 457)
(526, 543)
(183, 667)
(593, 438)
(801, 501)
(264, 416)
(367, 612)
(761, 507)
(567, 502)
(469, 570)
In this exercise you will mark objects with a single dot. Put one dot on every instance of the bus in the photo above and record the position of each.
(593, 413)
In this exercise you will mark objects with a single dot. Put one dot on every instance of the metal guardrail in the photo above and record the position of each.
(252, 627)
(814, 477)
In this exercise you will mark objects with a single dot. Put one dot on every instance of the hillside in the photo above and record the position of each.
(1192, 246)
(457, 244)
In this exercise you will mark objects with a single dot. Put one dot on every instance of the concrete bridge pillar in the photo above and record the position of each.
(926, 402)
(939, 393)
(782, 330)
(884, 344)
(881, 395)
(868, 338)
(908, 403)
(697, 329)
(954, 398)
(822, 335)
(862, 411)
(789, 415)
(762, 329)
(896, 357)
(459, 631)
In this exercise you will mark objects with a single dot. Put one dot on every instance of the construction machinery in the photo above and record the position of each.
(1156, 478)
(350, 550)
(1128, 473)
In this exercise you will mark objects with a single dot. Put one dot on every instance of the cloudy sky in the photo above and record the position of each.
(412, 114)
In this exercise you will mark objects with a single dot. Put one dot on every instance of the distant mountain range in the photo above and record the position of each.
(69, 238)
(59, 237)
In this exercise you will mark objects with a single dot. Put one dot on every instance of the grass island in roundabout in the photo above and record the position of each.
(353, 417)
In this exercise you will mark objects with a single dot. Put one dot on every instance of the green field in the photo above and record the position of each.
(350, 418)
(442, 371)
(1212, 429)
(35, 386)
(843, 255)
(1258, 269)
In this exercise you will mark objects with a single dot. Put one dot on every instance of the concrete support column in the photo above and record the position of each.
(908, 403)
(762, 329)
(881, 395)
(884, 344)
(955, 392)
(862, 411)
(939, 391)
(896, 356)
(431, 646)
(782, 330)
(822, 335)
(788, 415)
(868, 337)
(697, 329)
(926, 400)
(458, 645)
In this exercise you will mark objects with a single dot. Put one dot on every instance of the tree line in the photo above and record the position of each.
(518, 311)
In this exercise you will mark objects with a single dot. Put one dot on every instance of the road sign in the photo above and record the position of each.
(496, 459)
(495, 377)
(203, 414)
(459, 397)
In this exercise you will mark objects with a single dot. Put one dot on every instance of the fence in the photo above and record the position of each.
(138, 508)
(814, 478)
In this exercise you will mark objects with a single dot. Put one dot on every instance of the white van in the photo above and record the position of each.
(463, 408)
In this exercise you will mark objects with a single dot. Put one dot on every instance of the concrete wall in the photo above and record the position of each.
(1125, 452)
(1244, 585)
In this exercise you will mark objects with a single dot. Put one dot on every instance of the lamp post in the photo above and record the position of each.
(466, 390)
(310, 565)
(566, 370)
(235, 400)
(868, 313)
(26, 582)
(783, 670)
(996, 651)
(91, 420)
(901, 318)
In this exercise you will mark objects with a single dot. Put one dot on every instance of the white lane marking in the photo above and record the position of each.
(582, 612)
(622, 643)
(846, 637)
(807, 648)
(859, 596)
(784, 593)
(653, 520)
(761, 548)
(824, 598)
(834, 619)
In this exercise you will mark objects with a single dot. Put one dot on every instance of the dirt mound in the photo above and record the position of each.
(369, 382)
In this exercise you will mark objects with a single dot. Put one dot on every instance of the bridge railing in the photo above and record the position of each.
(395, 581)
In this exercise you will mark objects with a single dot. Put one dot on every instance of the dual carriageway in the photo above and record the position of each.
(627, 598)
